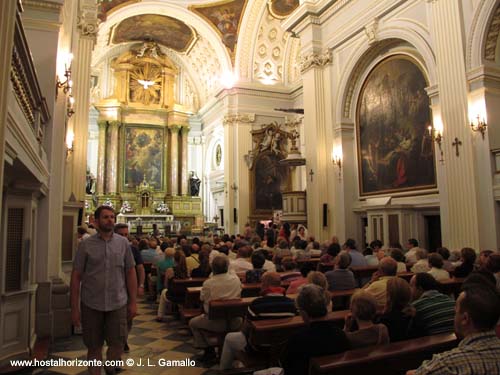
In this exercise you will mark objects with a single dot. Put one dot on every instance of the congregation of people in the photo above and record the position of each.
(384, 308)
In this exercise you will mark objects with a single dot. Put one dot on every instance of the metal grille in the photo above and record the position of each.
(15, 226)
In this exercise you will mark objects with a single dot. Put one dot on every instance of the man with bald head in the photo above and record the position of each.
(387, 269)
(272, 304)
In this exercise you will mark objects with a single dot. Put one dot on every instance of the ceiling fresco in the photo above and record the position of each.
(164, 30)
(225, 17)
(108, 6)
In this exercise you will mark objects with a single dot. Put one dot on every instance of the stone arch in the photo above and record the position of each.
(483, 37)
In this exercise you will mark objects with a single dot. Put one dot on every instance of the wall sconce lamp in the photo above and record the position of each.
(478, 125)
(337, 159)
(67, 84)
(70, 137)
(437, 136)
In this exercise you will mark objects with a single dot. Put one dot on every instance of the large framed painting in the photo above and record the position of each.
(395, 152)
(143, 158)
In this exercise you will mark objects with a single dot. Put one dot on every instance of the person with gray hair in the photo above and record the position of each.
(221, 285)
(387, 269)
(319, 337)
(341, 278)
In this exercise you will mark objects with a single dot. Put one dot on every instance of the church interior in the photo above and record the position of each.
(364, 120)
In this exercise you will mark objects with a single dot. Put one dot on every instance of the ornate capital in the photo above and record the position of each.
(315, 60)
(115, 123)
(87, 19)
(174, 129)
(185, 129)
(238, 117)
(102, 123)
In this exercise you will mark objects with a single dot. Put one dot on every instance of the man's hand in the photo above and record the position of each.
(131, 310)
(75, 317)
(140, 291)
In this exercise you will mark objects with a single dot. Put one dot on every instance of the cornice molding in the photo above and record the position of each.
(43, 5)
(232, 119)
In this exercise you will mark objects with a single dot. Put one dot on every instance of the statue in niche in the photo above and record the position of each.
(194, 184)
(90, 183)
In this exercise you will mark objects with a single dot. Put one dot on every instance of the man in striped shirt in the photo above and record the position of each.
(272, 305)
(477, 313)
(434, 311)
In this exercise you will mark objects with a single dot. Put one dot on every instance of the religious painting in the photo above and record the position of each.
(395, 152)
(143, 159)
(225, 17)
(282, 8)
(271, 179)
(104, 8)
(165, 30)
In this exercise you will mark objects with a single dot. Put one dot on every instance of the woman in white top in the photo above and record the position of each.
(422, 264)
(436, 264)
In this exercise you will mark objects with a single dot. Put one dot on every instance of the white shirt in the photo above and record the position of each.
(240, 265)
(269, 266)
(439, 274)
(411, 255)
(221, 286)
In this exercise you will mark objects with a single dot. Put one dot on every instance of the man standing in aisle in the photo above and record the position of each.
(105, 269)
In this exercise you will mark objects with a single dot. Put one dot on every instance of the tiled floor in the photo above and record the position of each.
(148, 340)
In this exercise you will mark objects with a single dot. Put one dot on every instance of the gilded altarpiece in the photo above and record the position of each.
(145, 142)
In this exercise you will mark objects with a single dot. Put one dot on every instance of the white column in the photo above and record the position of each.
(174, 159)
(229, 124)
(460, 218)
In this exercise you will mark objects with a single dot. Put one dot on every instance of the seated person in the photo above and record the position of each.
(273, 304)
(422, 264)
(493, 266)
(203, 270)
(398, 313)
(398, 256)
(317, 338)
(290, 271)
(436, 263)
(373, 252)
(357, 259)
(242, 261)
(468, 258)
(295, 284)
(434, 310)
(319, 279)
(363, 313)
(483, 258)
(221, 285)
(341, 278)
(254, 276)
(476, 314)
(178, 271)
(445, 253)
(378, 286)
(331, 252)
(268, 265)
(162, 266)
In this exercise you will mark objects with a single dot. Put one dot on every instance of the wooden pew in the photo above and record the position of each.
(312, 262)
(277, 331)
(325, 267)
(452, 286)
(390, 359)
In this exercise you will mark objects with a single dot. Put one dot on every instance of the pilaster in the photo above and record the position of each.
(184, 165)
(87, 31)
(112, 158)
(461, 221)
(7, 23)
(315, 76)
(174, 159)
(101, 157)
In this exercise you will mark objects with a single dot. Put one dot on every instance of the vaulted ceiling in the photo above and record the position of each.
(206, 39)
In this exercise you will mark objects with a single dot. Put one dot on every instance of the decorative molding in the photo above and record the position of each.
(43, 5)
(371, 30)
(87, 20)
(492, 36)
(238, 117)
(315, 60)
